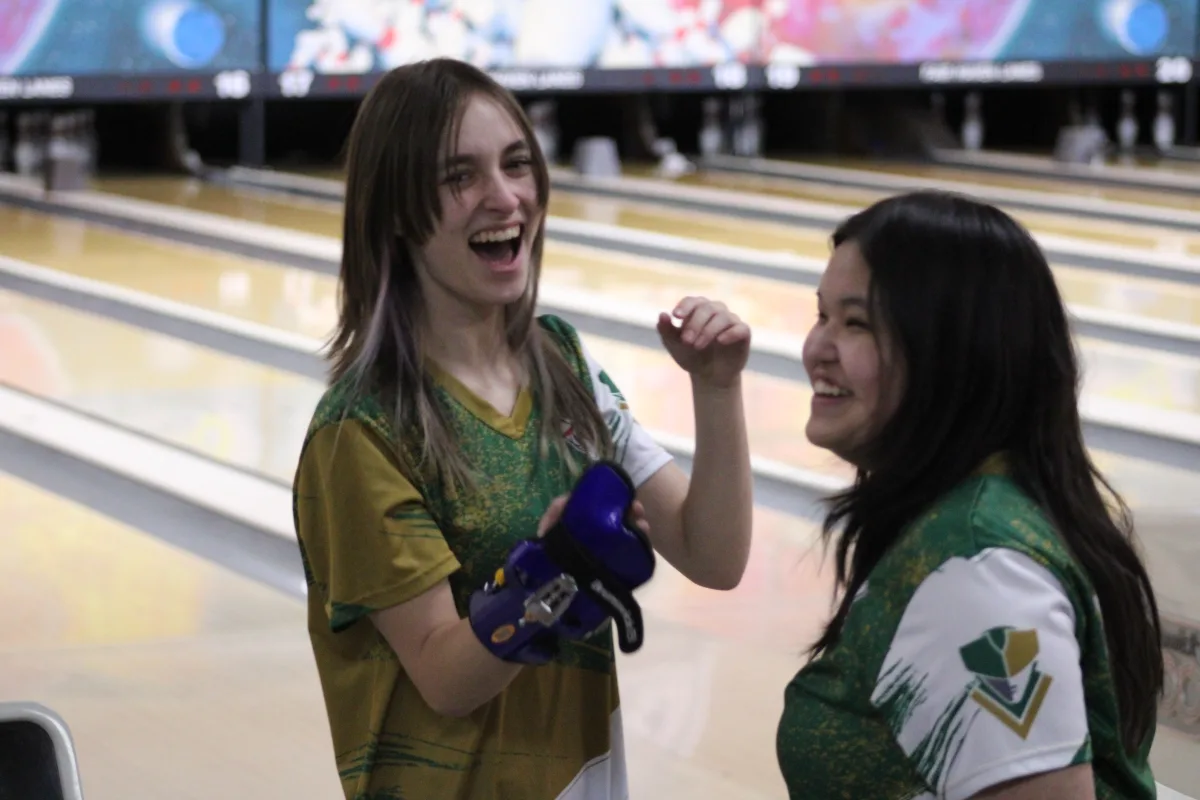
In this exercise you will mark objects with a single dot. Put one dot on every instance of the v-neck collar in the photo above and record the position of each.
(511, 425)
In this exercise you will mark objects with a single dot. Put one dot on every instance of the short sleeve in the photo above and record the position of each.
(636, 449)
(369, 542)
(982, 681)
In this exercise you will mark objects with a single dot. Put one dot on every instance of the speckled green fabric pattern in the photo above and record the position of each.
(835, 741)
(371, 539)
(506, 505)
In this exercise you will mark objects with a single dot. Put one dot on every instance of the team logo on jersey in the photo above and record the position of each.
(618, 421)
(612, 387)
(568, 432)
(1008, 684)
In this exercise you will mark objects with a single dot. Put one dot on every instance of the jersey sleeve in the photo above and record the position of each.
(367, 538)
(635, 449)
(982, 681)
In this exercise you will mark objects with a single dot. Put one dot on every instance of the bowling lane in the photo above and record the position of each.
(302, 302)
(578, 267)
(168, 669)
(267, 208)
(1135, 375)
(295, 300)
(325, 218)
(229, 409)
(713, 228)
(1148, 298)
(252, 416)
(1049, 184)
(1156, 299)
(813, 242)
(1065, 224)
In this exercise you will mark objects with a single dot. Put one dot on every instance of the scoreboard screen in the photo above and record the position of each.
(230, 49)
(913, 31)
(349, 36)
(916, 42)
(57, 49)
(328, 47)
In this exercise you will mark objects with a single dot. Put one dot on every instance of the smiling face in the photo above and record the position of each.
(846, 355)
(479, 256)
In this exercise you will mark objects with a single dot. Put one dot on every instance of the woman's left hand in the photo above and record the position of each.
(711, 342)
(553, 513)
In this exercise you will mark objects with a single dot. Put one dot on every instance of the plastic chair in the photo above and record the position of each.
(37, 756)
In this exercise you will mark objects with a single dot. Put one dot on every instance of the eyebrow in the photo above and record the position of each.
(847, 302)
(459, 160)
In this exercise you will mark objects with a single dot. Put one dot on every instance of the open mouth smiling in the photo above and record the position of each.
(498, 246)
(825, 388)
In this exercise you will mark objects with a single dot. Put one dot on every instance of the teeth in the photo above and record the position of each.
(502, 235)
(827, 389)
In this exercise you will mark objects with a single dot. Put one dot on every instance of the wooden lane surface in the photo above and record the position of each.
(167, 668)
(226, 408)
(1119, 234)
(1048, 184)
(1155, 299)
(305, 303)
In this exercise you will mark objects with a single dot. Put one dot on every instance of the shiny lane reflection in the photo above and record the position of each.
(1155, 299)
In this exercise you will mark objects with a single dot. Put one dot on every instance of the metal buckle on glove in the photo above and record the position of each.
(547, 605)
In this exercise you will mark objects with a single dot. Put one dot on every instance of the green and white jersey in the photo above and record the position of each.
(974, 655)
(633, 447)
(371, 539)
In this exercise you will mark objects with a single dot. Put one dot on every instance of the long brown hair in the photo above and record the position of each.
(392, 207)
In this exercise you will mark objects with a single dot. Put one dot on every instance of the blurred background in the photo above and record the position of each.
(170, 214)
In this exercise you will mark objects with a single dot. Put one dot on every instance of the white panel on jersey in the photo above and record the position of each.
(636, 450)
(982, 682)
(604, 777)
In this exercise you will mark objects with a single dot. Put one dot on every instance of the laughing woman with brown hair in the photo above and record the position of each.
(454, 419)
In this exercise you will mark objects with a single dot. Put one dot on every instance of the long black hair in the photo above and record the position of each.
(978, 324)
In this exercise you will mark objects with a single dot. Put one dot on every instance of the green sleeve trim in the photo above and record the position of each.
(1084, 754)
(417, 521)
(344, 615)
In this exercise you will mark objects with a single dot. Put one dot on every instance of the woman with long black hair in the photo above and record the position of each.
(997, 635)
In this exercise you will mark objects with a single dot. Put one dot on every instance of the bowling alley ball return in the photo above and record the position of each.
(37, 756)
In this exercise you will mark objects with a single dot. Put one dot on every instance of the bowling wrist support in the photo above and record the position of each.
(570, 582)
(516, 621)
(598, 583)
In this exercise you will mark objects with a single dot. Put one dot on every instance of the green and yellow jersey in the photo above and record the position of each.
(371, 539)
